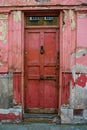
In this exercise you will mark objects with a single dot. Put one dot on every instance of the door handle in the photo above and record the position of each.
(25, 52)
(41, 49)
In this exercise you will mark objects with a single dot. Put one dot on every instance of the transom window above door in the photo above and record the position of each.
(41, 20)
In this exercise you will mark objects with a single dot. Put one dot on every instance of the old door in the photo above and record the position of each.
(41, 70)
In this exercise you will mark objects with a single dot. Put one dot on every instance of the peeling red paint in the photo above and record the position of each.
(9, 117)
(81, 80)
(17, 89)
(66, 87)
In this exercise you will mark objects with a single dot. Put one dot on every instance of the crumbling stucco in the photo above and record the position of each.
(16, 111)
(78, 97)
(77, 67)
(72, 95)
(3, 27)
(64, 18)
(72, 17)
(17, 16)
(11, 115)
(69, 15)
(6, 90)
(10, 82)
(79, 53)
(78, 92)
(82, 15)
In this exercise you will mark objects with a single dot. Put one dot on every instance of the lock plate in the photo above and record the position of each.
(41, 49)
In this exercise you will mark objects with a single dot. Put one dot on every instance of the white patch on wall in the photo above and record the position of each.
(17, 16)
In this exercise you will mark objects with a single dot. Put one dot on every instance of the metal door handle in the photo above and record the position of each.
(41, 50)
(25, 52)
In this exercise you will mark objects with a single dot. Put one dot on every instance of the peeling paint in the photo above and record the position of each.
(3, 27)
(1, 63)
(64, 18)
(81, 80)
(17, 16)
(79, 53)
(11, 114)
(78, 90)
(82, 15)
(6, 90)
(72, 93)
(3, 16)
(71, 14)
(79, 68)
(11, 110)
(78, 97)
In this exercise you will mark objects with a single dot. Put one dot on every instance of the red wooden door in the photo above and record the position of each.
(41, 70)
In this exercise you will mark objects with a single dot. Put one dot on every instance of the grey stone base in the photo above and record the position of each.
(68, 116)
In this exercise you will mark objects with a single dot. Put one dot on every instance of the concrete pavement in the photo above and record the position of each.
(41, 126)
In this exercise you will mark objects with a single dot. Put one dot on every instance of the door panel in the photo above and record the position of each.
(50, 94)
(41, 86)
(32, 94)
(33, 47)
(50, 47)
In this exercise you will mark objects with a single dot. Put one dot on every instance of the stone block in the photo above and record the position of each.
(66, 115)
(85, 114)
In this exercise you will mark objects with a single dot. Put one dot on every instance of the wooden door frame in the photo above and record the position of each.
(60, 49)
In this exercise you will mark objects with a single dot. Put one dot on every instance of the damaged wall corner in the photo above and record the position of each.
(6, 91)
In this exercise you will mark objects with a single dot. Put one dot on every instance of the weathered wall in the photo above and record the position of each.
(73, 53)
(6, 90)
(79, 64)
(67, 47)
(10, 59)
(3, 42)
(74, 61)
(42, 2)
(15, 31)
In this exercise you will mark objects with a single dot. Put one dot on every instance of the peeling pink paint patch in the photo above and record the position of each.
(81, 81)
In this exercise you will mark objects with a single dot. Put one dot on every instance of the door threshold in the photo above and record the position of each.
(42, 110)
(41, 118)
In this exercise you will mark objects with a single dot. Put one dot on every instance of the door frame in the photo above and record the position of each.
(60, 49)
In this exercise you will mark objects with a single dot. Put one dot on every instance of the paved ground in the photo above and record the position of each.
(41, 126)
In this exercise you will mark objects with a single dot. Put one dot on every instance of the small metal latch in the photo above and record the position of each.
(41, 77)
(41, 50)
(50, 77)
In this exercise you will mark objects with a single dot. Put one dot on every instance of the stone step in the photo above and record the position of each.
(45, 118)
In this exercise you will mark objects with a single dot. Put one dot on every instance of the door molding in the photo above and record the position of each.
(60, 34)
